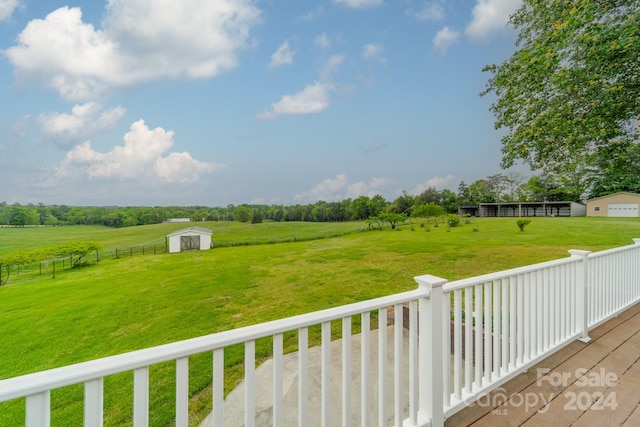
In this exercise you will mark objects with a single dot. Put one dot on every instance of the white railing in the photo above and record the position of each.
(475, 334)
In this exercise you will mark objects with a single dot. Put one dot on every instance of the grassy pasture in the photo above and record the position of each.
(225, 233)
(132, 303)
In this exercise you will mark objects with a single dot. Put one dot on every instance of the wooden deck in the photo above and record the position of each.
(608, 394)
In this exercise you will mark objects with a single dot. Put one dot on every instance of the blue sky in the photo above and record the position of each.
(202, 102)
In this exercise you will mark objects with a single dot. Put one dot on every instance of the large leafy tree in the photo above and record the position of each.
(619, 174)
(572, 88)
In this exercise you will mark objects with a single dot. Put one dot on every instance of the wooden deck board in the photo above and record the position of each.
(608, 394)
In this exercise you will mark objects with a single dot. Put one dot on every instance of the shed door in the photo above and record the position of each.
(623, 209)
(189, 243)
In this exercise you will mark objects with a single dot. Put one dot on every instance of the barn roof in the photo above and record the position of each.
(191, 230)
(626, 193)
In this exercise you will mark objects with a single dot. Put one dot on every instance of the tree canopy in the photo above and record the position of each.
(572, 88)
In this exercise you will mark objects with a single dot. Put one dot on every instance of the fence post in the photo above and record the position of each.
(430, 376)
(582, 293)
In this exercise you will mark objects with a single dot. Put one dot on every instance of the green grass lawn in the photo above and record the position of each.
(120, 305)
(225, 233)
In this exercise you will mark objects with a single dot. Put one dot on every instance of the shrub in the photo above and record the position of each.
(522, 223)
(453, 220)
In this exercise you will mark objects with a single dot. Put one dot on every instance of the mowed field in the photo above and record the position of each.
(119, 305)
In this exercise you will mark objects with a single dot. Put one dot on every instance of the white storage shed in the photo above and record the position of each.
(189, 239)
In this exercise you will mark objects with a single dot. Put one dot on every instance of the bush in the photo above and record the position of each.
(453, 220)
(522, 223)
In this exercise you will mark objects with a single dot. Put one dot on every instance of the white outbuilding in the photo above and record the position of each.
(189, 239)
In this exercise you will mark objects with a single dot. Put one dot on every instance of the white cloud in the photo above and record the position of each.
(327, 190)
(322, 41)
(331, 67)
(282, 56)
(373, 52)
(339, 188)
(490, 17)
(445, 38)
(313, 99)
(430, 12)
(7, 7)
(84, 121)
(139, 41)
(368, 189)
(359, 4)
(437, 182)
(140, 158)
(311, 15)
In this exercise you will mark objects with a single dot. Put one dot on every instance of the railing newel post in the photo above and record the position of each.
(582, 293)
(430, 369)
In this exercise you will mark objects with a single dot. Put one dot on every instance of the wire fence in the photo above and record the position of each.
(53, 266)
(140, 250)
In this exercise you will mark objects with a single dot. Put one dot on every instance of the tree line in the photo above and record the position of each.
(573, 185)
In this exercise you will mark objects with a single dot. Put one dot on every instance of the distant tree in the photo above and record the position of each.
(242, 214)
(394, 219)
(361, 208)
(43, 213)
(403, 204)
(481, 191)
(277, 213)
(214, 215)
(335, 212)
(378, 204)
(449, 201)
(256, 217)
(59, 211)
(430, 195)
(75, 216)
(428, 210)
(464, 195)
(542, 188)
(19, 217)
(512, 182)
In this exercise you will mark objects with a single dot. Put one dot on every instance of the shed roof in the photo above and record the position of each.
(196, 230)
(626, 193)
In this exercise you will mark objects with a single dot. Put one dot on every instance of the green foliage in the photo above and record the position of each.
(572, 89)
(453, 221)
(522, 223)
(77, 248)
(427, 210)
(394, 219)
(256, 217)
(242, 213)
(621, 173)
(375, 221)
